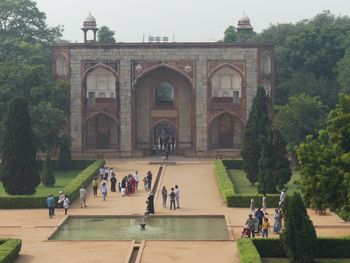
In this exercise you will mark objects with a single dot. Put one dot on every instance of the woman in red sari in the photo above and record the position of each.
(132, 183)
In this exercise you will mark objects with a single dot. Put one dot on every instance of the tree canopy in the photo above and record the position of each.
(105, 35)
(325, 163)
(25, 69)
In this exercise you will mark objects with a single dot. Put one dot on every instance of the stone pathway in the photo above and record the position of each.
(199, 195)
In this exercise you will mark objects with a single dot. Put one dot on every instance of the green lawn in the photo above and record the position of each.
(320, 260)
(243, 186)
(62, 179)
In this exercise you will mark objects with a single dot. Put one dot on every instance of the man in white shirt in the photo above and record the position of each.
(137, 179)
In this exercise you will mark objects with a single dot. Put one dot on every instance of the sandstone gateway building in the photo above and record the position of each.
(138, 99)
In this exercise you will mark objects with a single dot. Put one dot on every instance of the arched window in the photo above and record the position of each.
(101, 83)
(226, 83)
(61, 69)
(165, 94)
(265, 64)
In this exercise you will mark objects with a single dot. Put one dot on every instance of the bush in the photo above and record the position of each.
(64, 161)
(334, 247)
(9, 250)
(247, 251)
(299, 238)
(233, 164)
(72, 189)
(269, 247)
(232, 199)
(224, 182)
(47, 175)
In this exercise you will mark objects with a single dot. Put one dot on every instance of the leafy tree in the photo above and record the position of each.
(343, 76)
(64, 158)
(25, 68)
(274, 171)
(299, 238)
(19, 172)
(105, 35)
(325, 163)
(230, 35)
(47, 174)
(257, 125)
(301, 116)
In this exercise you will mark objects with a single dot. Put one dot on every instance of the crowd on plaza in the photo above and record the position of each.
(258, 221)
(127, 186)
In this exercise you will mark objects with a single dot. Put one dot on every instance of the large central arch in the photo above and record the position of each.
(166, 94)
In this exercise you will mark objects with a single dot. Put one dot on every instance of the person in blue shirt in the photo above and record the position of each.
(51, 205)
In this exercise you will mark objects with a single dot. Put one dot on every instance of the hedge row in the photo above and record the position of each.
(224, 182)
(72, 189)
(252, 250)
(247, 251)
(9, 250)
(75, 164)
(233, 164)
(238, 200)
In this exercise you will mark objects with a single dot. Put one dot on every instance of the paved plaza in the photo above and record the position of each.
(199, 196)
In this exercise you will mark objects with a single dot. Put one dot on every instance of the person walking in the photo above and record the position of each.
(145, 183)
(177, 196)
(61, 198)
(164, 196)
(252, 206)
(149, 180)
(66, 204)
(137, 179)
(82, 195)
(104, 191)
(264, 204)
(251, 224)
(51, 205)
(277, 222)
(150, 202)
(172, 199)
(113, 183)
(282, 197)
(95, 186)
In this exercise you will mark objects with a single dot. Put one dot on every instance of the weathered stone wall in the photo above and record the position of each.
(184, 108)
(125, 55)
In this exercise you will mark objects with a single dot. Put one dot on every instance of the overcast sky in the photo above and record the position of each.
(188, 20)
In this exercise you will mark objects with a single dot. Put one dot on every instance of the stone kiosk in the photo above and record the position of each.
(139, 99)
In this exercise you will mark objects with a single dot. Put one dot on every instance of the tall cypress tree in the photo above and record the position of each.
(299, 238)
(274, 171)
(47, 175)
(19, 171)
(257, 125)
(64, 161)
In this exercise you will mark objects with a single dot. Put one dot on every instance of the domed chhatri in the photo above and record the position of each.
(90, 24)
(244, 23)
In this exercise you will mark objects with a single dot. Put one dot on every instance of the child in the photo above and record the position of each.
(66, 204)
(265, 227)
(145, 183)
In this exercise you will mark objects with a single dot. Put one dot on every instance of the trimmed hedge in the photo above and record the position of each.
(232, 199)
(273, 248)
(247, 251)
(74, 165)
(72, 189)
(9, 250)
(224, 182)
(233, 164)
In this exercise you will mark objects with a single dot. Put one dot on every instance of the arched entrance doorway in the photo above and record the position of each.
(164, 111)
(225, 132)
(101, 132)
(164, 135)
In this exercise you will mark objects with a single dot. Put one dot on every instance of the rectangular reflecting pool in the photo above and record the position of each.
(157, 228)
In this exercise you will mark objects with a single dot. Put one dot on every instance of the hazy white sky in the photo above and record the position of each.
(188, 20)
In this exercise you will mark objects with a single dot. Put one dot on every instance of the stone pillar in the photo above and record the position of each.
(125, 108)
(75, 98)
(201, 107)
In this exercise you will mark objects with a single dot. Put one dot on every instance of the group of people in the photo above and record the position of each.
(64, 202)
(174, 196)
(258, 222)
